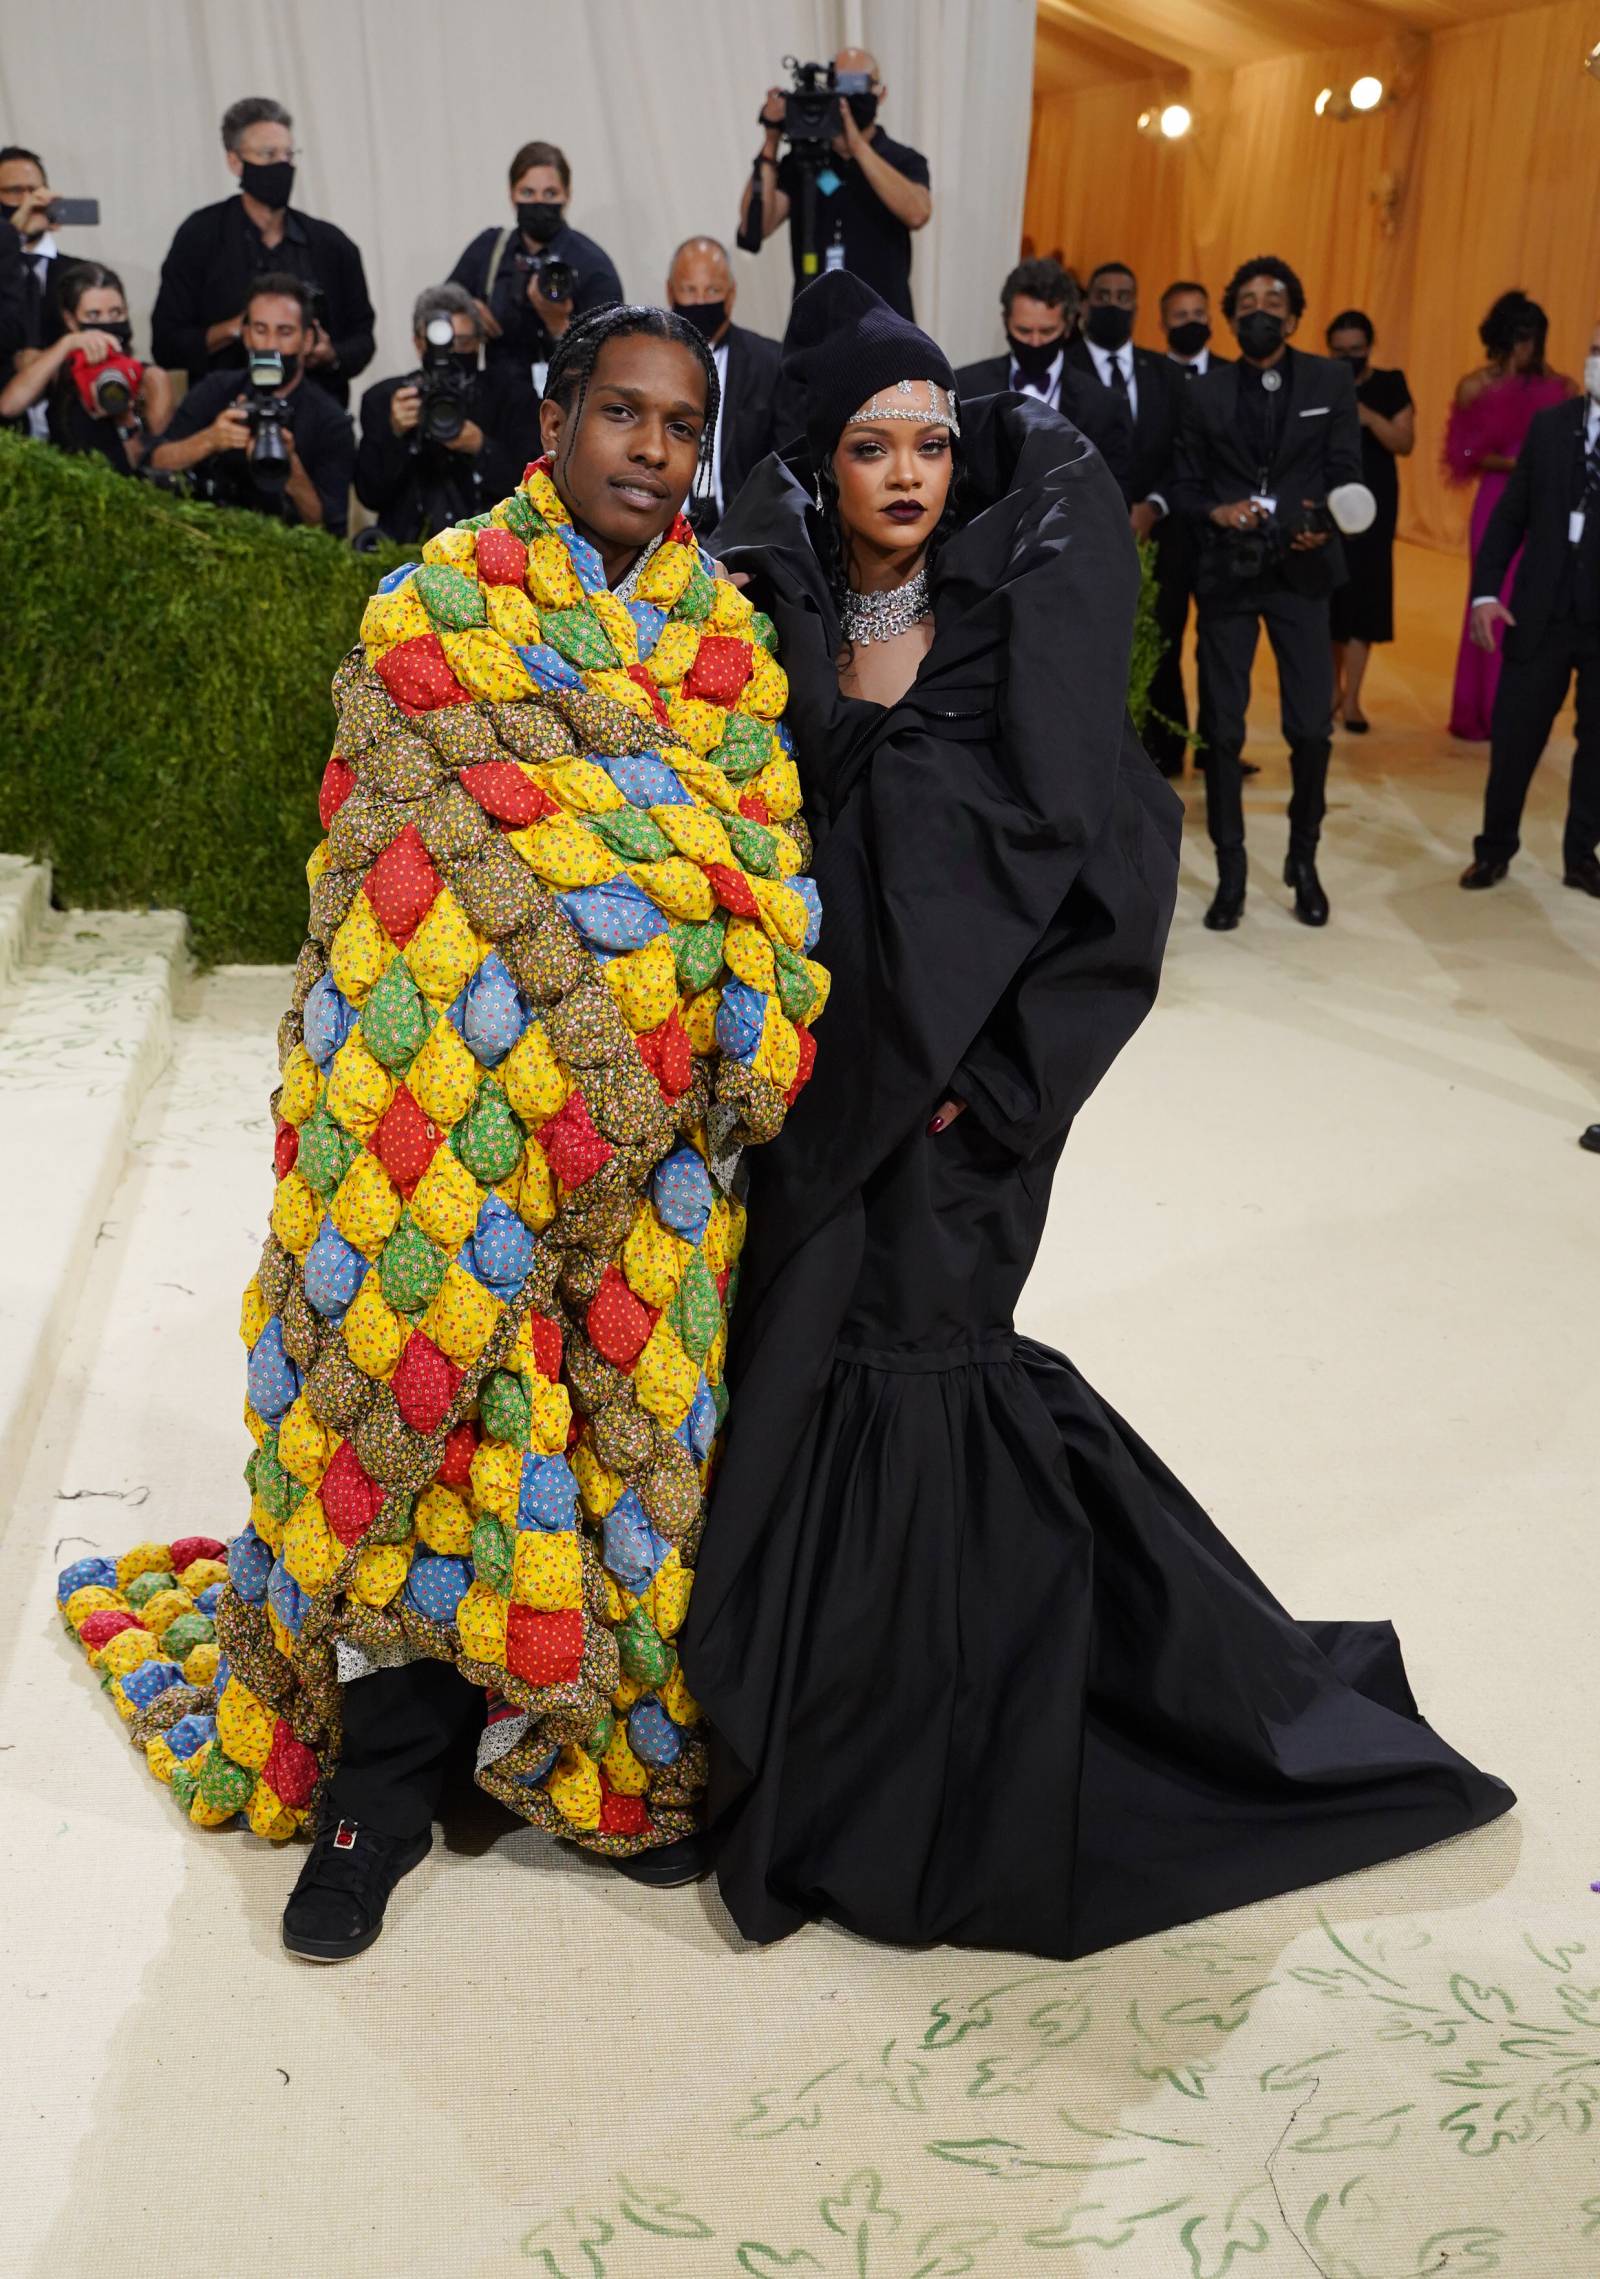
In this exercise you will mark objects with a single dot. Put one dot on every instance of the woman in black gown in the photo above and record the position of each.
(977, 1667)
(1363, 607)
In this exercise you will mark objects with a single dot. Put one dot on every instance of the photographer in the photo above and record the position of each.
(197, 325)
(451, 438)
(868, 193)
(530, 280)
(1264, 446)
(263, 439)
(96, 397)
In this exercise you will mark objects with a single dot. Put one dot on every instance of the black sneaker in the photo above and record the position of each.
(665, 1866)
(336, 1907)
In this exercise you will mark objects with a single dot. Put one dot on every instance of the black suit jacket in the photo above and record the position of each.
(406, 487)
(13, 298)
(1146, 469)
(1090, 407)
(748, 417)
(1320, 447)
(213, 261)
(1531, 512)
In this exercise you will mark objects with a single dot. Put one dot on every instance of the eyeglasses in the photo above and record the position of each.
(259, 157)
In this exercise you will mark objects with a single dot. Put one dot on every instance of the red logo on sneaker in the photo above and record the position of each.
(345, 1838)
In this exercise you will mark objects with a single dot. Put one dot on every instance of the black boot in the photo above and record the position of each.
(1227, 904)
(336, 1908)
(666, 1865)
(1310, 903)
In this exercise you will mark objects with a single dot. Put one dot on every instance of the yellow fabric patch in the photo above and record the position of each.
(644, 983)
(143, 1559)
(296, 1214)
(93, 1598)
(446, 1200)
(397, 616)
(821, 981)
(581, 786)
(496, 1471)
(311, 1550)
(380, 1572)
(616, 1612)
(665, 575)
(444, 1522)
(462, 1317)
(532, 1075)
(598, 1487)
(622, 689)
(269, 1817)
(359, 1088)
(629, 1690)
(622, 1768)
(731, 611)
(563, 854)
(696, 723)
(200, 1669)
(481, 1625)
(707, 781)
(160, 1758)
(766, 692)
(675, 886)
(444, 952)
(204, 1815)
(374, 1334)
(536, 1196)
(664, 1378)
(156, 1613)
(301, 1082)
(127, 1651)
(715, 1356)
(620, 629)
(512, 614)
(673, 654)
(678, 1702)
(699, 1018)
(778, 1054)
(714, 1242)
(269, 1529)
(668, 1595)
(305, 1447)
(654, 1258)
(550, 1418)
(783, 913)
(547, 1569)
(786, 854)
(253, 1315)
(317, 862)
(695, 832)
(244, 1726)
(457, 547)
(360, 952)
(366, 1205)
(443, 1079)
(749, 954)
(486, 665)
(574, 1787)
(200, 1574)
(552, 581)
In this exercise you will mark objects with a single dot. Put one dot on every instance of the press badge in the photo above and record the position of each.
(1575, 527)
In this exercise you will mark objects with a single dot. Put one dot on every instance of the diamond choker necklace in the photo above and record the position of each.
(880, 616)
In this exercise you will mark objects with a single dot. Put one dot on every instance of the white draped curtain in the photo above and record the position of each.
(407, 113)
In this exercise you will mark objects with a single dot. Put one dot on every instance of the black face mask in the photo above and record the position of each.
(1188, 339)
(1109, 327)
(1357, 364)
(465, 361)
(1260, 334)
(269, 185)
(539, 220)
(707, 317)
(120, 329)
(863, 109)
(1033, 358)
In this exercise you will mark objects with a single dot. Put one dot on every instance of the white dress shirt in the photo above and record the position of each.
(38, 258)
(1048, 390)
(1199, 365)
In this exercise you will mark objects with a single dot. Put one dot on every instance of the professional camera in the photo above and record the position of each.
(267, 414)
(106, 390)
(1251, 554)
(812, 106)
(537, 222)
(442, 385)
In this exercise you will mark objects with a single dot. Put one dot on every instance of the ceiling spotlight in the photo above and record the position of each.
(1176, 120)
(1366, 93)
(1322, 101)
(1591, 62)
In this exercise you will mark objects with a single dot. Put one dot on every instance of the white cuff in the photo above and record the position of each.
(1158, 502)
(1479, 599)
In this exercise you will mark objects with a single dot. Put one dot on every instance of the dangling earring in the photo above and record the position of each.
(816, 489)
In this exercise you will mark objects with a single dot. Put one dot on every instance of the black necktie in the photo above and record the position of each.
(1118, 380)
(1191, 371)
(1591, 476)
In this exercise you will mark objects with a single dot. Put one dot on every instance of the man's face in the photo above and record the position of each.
(1350, 342)
(625, 469)
(1035, 323)
(539, 185)
(17, 177)
(1114, 289)
(1184, 308)
(700, 274)
(265, 144)
(858, 60)
(1269, 293)
(273, 320)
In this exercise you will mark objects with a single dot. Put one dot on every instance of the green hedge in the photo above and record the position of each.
(164, 710)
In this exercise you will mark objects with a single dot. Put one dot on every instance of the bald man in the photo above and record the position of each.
(867, 197)
(702, 289)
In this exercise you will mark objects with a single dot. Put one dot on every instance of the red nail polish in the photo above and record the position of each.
(937, 1125)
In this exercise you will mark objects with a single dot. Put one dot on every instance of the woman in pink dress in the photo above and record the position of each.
(1488, 421)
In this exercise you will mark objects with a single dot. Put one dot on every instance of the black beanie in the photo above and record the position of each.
(844, 344)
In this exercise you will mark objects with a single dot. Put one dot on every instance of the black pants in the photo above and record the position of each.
(404, 1732)
(1165, 736)
(1532, 690)
(1297, 626)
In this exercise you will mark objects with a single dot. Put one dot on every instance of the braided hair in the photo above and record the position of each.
(576, 353)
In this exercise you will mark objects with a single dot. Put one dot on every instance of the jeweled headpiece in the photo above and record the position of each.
(936, 407)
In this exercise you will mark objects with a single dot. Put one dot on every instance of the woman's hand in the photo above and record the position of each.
(945, 1115)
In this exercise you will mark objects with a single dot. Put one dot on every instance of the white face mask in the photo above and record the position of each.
(1591, 376)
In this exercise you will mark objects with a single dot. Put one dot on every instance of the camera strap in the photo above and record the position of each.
(495, 259)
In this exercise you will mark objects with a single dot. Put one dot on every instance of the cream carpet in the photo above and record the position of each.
(1326, 1239)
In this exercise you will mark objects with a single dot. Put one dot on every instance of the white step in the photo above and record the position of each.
(85, 1029)
(24, 906)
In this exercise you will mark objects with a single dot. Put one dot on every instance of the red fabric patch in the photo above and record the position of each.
(682, 531)
(618, 1323)
(455, 1465)
(285, 1147)
(424, 1383)
(545, 1338)
(350, 1496)
(732, 890)
(754, 808)
(338, 782)
(187, 1548)
(572, 1146)
(544, 1649)
(720, 669)
(574, 1433)
(808, 1061)
(417, 675)
(106, 1623)
(405, 1141)
(291, 1768)
(502, 557)
(639, 674)
(668, 1054)
(622, 1815)
(403, 885)
(503, 791)
(722, 1281)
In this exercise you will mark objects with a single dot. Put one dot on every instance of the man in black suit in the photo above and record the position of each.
(1262, 441)
(1039, 303)
(1139, 381)
(1186, 321)
(1551, 509)
(701, 288)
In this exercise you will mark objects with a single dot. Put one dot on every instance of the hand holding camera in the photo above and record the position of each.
(230, 430)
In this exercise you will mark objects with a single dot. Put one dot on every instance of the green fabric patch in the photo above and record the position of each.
(697, 950)
(600, 1734)
(396, 1019)
(763, 629)
(453, 600)
(696, 1308)
(523, 518)
(699, 597)
(753, 843)
(505, 1408)
(144, 1588)
(183, 1785)
(225, 1786)
(410, 1268)
(631, 834)
(745, 748)
(797, 992)
(578, 635)
(325, 1154)
(489, 1142)
(491, 1555)
(180, 1638)
(278, 1491)
(644, 1653)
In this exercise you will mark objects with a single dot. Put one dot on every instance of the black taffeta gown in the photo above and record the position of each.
(978, 1668)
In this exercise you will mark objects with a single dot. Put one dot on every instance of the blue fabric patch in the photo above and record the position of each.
(700, 1425)
(272, 1381)
(286, 1599)
(681, 1192)
(82, 1572)
(191, 1733)
(585, 559)
(646, 781)
(548, 1493)
(633, 1549)
(494, 1014)
(616, 916)
(151, 1679)
(436, 1587)
(394, 578)
(499, 1250)
(334, 1272)
(785, 736)
(806, 888)
(652, 1736)
(224, 1670)
(329, 1017)
(740, 1017)
(210, 1599)
(650, 622)
(547, 667)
